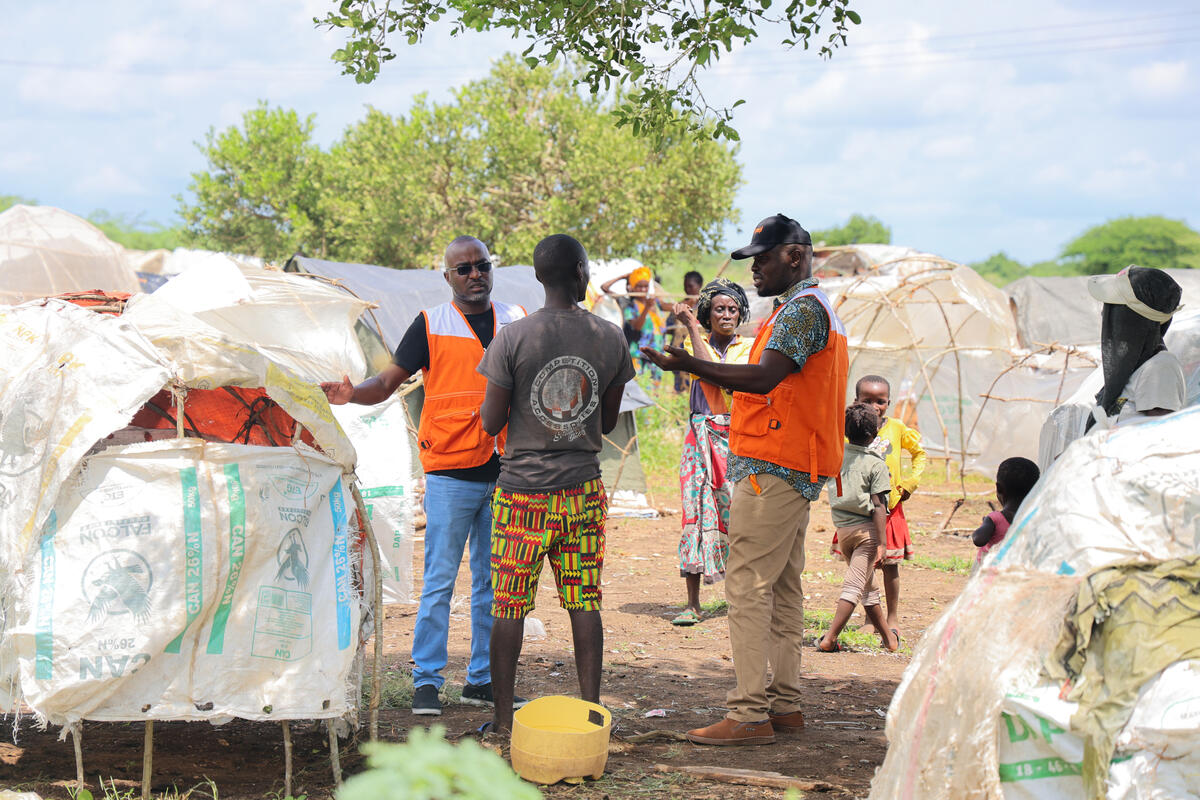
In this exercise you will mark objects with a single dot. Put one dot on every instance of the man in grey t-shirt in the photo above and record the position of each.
(556, 379)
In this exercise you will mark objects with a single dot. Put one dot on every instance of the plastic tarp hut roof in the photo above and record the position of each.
(1059, 309)
(401, 294)
(155, 267)
(946, 340)
(302, 324)
(46, 251)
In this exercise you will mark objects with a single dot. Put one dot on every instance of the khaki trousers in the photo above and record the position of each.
(766, 599)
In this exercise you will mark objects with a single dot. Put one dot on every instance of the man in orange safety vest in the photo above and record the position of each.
(461, 463)
(785, 441)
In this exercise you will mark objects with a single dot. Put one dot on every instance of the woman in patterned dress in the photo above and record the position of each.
(705, 494)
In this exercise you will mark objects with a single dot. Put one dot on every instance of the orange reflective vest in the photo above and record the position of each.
(451, 434)
(800, 423)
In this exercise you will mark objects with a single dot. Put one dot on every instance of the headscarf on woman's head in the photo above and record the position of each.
(726, 287)
(637, 276)
(1138, 306)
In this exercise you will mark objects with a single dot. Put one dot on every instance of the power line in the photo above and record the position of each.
(932, 58)
(865, 52)
(1039, 28)
(863, 55)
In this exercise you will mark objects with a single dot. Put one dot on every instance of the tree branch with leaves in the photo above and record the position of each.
(653, 51)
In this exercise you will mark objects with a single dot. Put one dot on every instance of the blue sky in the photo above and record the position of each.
(967, 127)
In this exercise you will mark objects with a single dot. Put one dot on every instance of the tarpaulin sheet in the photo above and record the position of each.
(1124, 495)
(387, 483)
(70, 378)
(191, 580)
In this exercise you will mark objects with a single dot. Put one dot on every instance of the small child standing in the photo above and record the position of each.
(1015, 478)
(858, 502)
(893, 436)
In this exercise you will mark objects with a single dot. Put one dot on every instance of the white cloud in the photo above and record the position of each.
(954, 147)
(19, 161)
(1161, 79)
(109, 180)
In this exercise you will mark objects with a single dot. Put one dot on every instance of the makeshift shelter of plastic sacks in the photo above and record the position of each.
(1028, 686)
(1059, 309)
(46, 251)
(169, 578)
(1066, 422)
(946, 340)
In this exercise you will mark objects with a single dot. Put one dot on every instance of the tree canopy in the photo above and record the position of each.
(1146, 241)
(510, 158)
(654, 50)
(856, 230)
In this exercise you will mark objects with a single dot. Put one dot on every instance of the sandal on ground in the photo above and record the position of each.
(490, 740)
(837, 648)
(686, 618)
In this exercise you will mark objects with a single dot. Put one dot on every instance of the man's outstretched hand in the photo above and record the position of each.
(672, 360)
(339, 392)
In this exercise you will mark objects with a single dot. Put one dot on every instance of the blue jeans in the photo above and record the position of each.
(457, 512)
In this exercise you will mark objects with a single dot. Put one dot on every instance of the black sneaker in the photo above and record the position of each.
(426, 702)
(481, 695)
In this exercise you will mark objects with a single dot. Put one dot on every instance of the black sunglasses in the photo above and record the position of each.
(464, 270)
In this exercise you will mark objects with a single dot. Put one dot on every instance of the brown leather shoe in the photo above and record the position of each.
(731, 732)
(790, 723)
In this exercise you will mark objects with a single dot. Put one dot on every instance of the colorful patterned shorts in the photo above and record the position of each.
(568, 526)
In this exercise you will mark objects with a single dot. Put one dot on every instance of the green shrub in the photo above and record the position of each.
(427, 767)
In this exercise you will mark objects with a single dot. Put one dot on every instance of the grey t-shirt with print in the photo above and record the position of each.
(558, 363)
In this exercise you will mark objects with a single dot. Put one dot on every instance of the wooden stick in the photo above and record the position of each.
(625, 451)
(946, 522)
(76, 736)
(751, 777)
(180, 396)
(148, 758)
(639, 738)
(377, 585)
(287, 759)
(334, 760)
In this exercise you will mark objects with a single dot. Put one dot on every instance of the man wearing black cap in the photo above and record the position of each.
(785, 442)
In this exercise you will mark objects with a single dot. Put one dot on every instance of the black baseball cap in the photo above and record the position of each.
(771, 232)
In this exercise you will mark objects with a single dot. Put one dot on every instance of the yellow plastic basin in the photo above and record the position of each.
(557, 738)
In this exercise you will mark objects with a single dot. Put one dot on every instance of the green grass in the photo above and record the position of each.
(817, 621)
(714, 606)
(661, 429)
(206, 790)
(831, 576)
(397, 690)
(955, 565)
(937, 473)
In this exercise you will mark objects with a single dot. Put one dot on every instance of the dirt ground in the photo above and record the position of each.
(649, 665)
